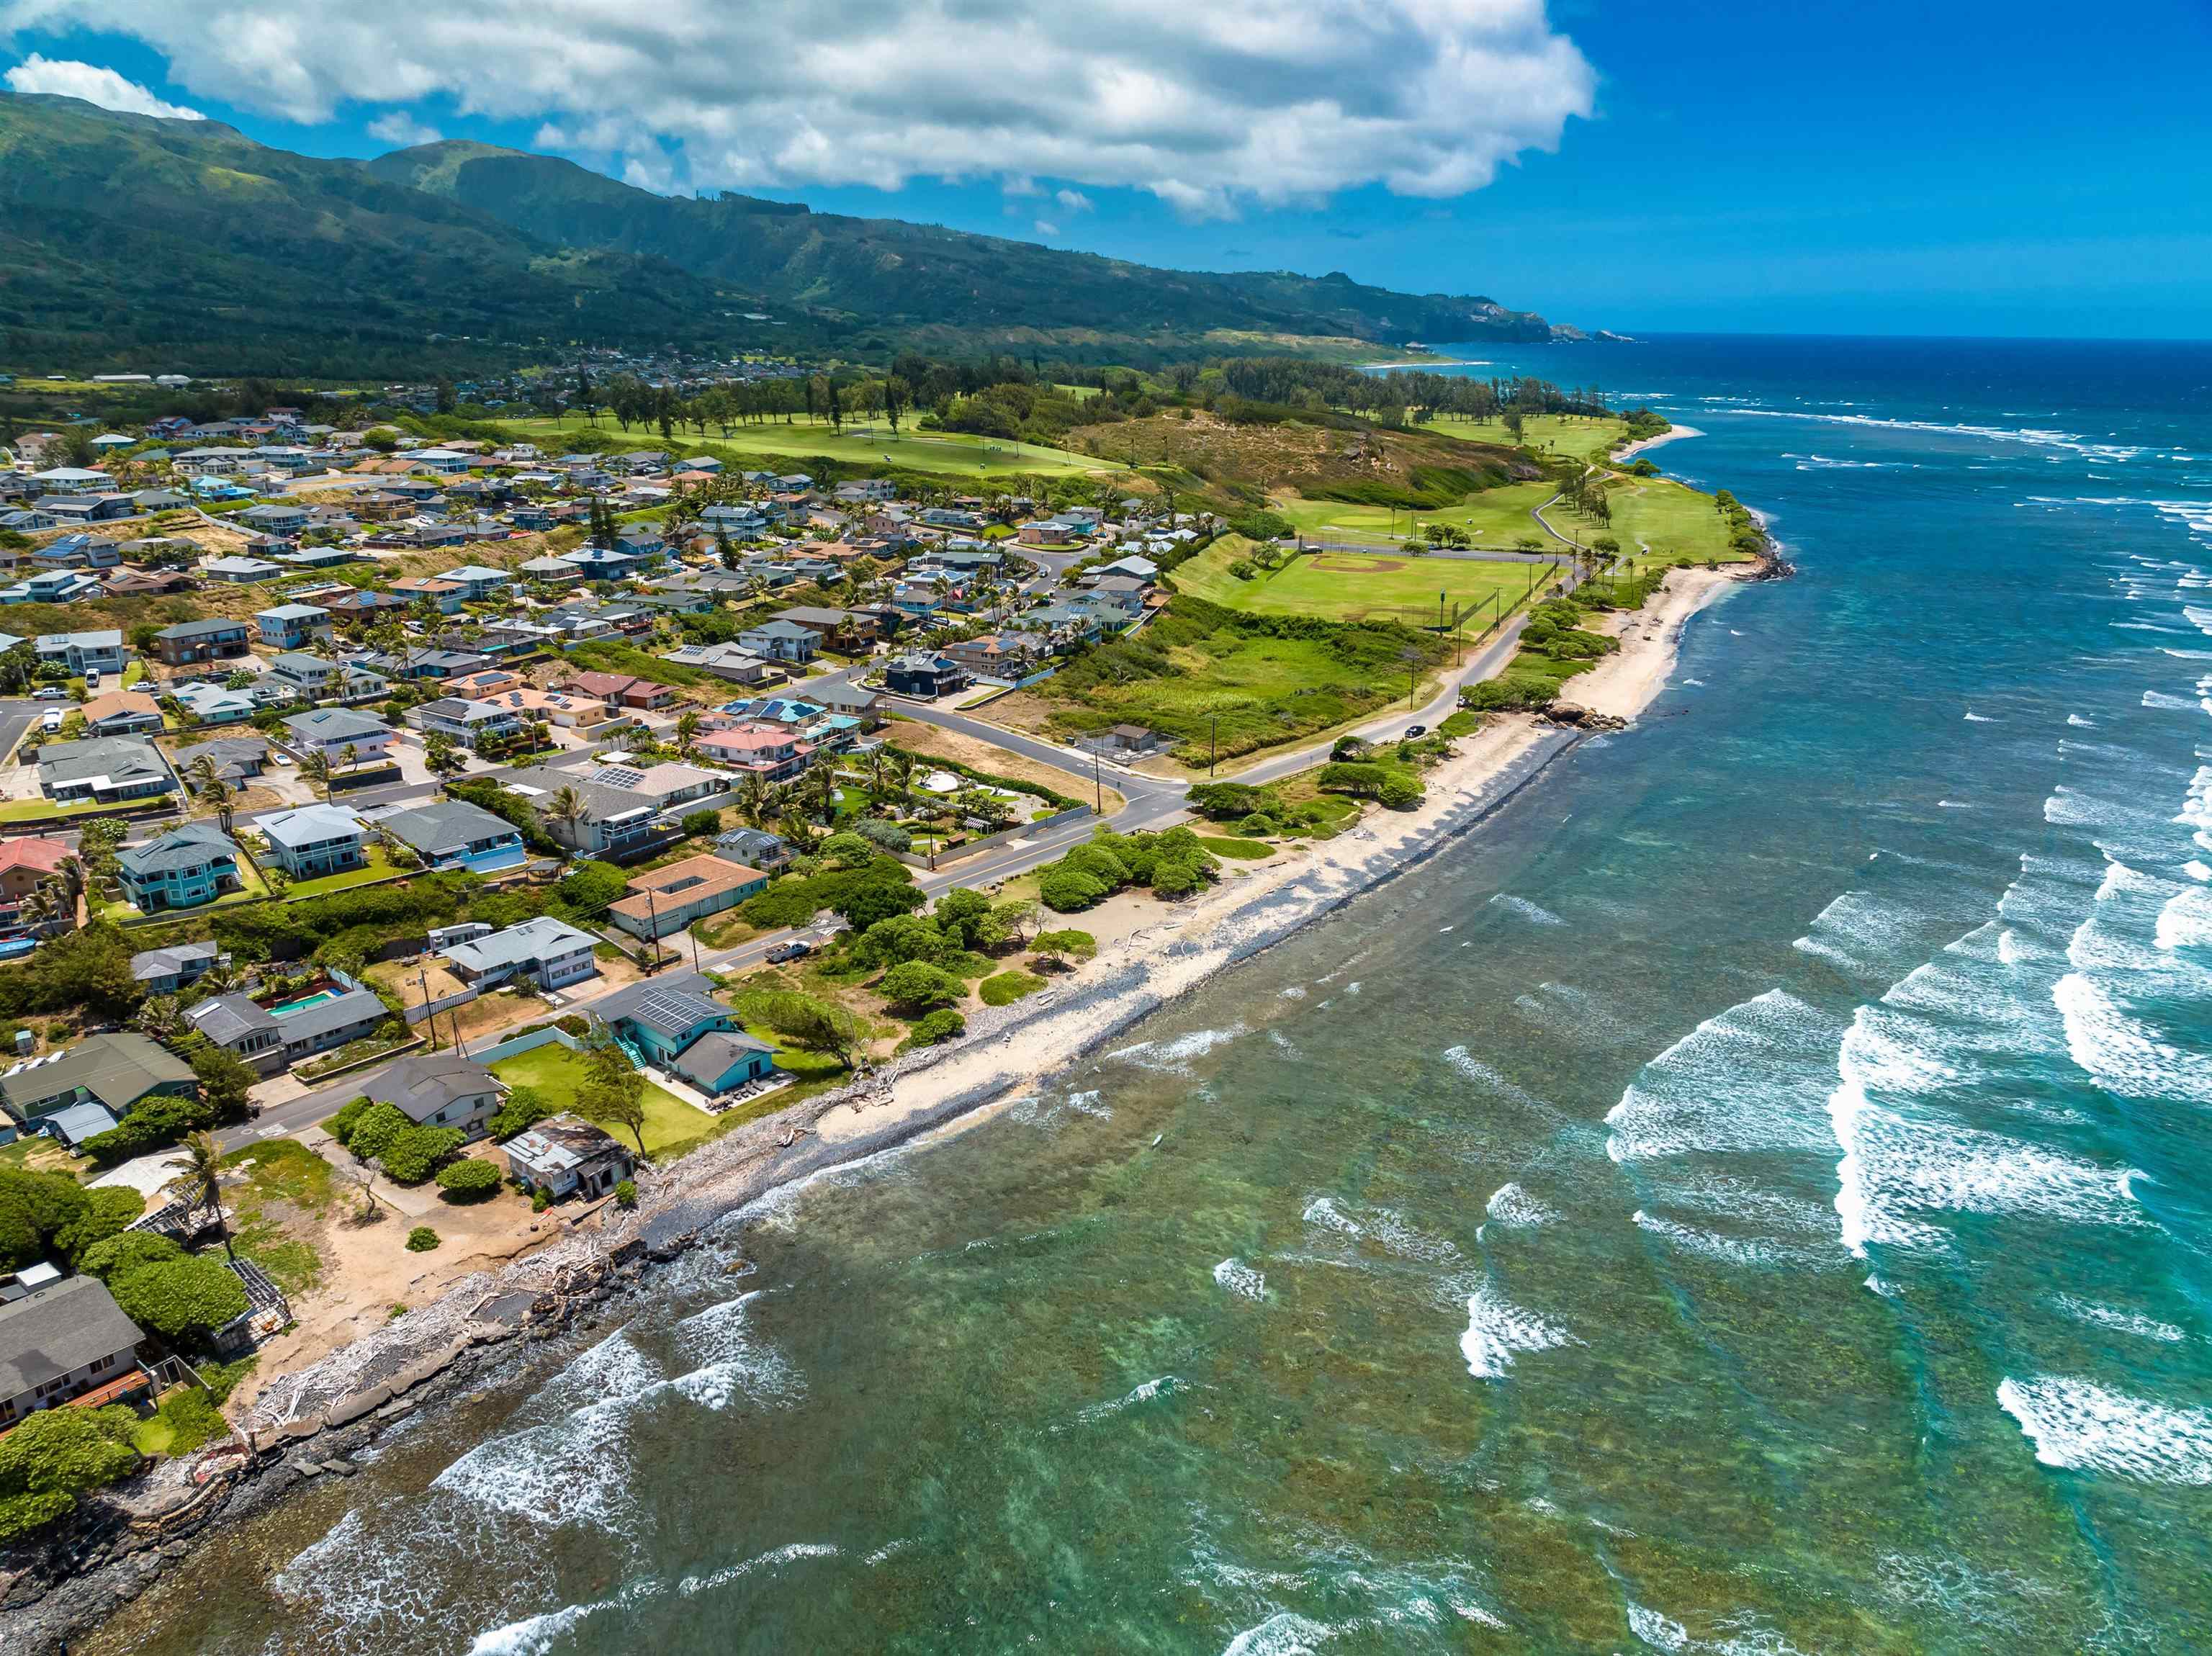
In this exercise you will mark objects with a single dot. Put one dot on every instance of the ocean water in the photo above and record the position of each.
(1750, 1197)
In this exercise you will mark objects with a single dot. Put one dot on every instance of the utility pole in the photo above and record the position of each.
(423, 979)
(1097, 787)
(1213, 744)
(652, 933)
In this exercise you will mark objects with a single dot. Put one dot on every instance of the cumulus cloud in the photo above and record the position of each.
(1047, 228)
(401, 130)
(95, 85)
(1074, 201)
(1206, 106)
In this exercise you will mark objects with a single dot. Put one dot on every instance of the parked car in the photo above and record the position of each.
(1416, 730)
(788, 951)
(92, 678)
(49, 693)
(52, 721)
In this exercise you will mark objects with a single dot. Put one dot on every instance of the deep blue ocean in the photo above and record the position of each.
(1751, 1196)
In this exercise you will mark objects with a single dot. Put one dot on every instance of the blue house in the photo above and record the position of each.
(453, 834)
(184, 868)
(674, 1024)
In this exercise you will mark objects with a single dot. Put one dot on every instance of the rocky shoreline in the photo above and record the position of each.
(310, 1424)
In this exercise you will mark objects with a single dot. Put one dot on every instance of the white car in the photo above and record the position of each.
(92, 678)
(52, 721)
(49, 693)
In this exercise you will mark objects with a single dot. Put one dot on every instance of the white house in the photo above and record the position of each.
(551, 952)
(331, 731)
(314, 840)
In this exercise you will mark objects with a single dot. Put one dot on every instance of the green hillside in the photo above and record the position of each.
(187, 245)
(922, 284)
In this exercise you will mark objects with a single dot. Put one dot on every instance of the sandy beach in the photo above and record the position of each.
(1674, 435)
(1150, 954)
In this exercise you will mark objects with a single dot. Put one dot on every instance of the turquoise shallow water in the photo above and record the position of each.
(1749, 1197)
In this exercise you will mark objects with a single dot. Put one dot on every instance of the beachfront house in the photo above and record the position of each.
(62, 1341)
(675, 1025)
(567, 1155)
(439, 1089)
(663, 900)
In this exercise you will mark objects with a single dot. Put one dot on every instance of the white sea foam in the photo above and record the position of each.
(1527, 911)
(2185, 921)
(1660, 1632)
(1480, 1073)
(1738, 1081)
(2084, 1427)
(2080, 723)
(1755, 1251)
(1176, 1054)
(1164, 1385)
(1498, 1330)
(735, 1364)
(2123, 1055)
(2125, 1322)
(1385, 1228)
(1979, 719)
(1240, 1278)
(1510, 1205)
(1859, 932)
(692, 1585)
(2161, 700)
(1281, 1635)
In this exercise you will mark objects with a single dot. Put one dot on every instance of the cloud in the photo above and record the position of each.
(95, 85)
(1074, 200)
(1209, 107)
(1047, 228)
(401, 130)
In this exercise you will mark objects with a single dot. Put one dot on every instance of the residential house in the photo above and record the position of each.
(311, 679)
(62, 1342)
(270, 1038)
(288, 626)
(210, 704)
(68, 480)
(844, 629)
(469, 723)
(621, 689)
(413, 665)
(165, 971)
(474, 580)
(366, 606)
(109, 768)
(781, 640)
(78, 551)
(481, 685)
(439, 1089)
(453, 834)
(121, 713)
(1000, 657)
(770, 752)
(239, 571)
(114, 1071)
(54, 586)
(236, 759)
(732, 662)
(664, 786)
(82, 653)
(550, 953)
(186, 868)
(25, 864)
(613, 822)
(675, 1025)
(565, 1156)
(752, 847)
(313, 841)
(189, 641)
(550, 571)
(331, 731)
(924, 675)
(668, 899)
(275, 518)
(607, 563)
(445, 596)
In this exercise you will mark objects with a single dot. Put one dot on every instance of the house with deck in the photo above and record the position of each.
(187, 867)
(453, 834)
(663, 901)
(313, 841)
(674, 1024)
(550, 953)
(439, 1089)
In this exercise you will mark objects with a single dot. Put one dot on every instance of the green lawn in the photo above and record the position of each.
(1656, 518)
(1496, 518)
(1354, 586)
(953, 454)
(21, 810)
(1243, 851)
(254, 892)
(556, 1073)
(379, 868)
(1559, 434)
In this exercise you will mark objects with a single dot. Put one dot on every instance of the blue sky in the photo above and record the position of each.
(1816, 166)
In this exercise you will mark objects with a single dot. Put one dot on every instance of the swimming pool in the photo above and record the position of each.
(320, 996)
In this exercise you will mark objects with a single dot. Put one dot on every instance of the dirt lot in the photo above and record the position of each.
(937, 743)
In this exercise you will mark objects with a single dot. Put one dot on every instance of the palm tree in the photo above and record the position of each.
(201, 772)
(315, 769)
(201, 1182)
(349, 756)
(687, 732)
(222, 978)
(278, 880)
(752, 798)
(901, 767)
(219, 793)
(567, 806)
(159, 1018)
(818, 788)
(443, 754)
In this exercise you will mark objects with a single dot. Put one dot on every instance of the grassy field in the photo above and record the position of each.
(379, 868)
(1657, 516)
(1557, 433)
(954, 454)
(556, 1073)
(1354, 586)
(1496, 518)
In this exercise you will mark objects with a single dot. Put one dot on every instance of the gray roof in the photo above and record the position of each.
(603, 803)
(151, 963)
(708, 1058)
(227, 1019)
(445, 826)
(213, 628)
(231, 754)
(561, 1141)
(419, 1088)
(674, 1012)
(117, 1069)
(190, 846)
(113, 758)
(625, 1003)
(327, 1016)
(538, 938)
(335, 724)
(82, 1121)
(60, 1329)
